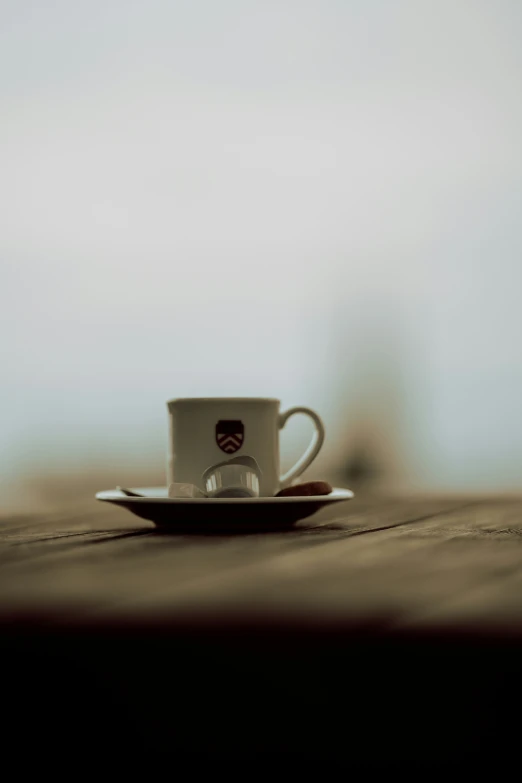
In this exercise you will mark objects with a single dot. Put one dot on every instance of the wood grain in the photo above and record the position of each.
(378, 559)
(380, 635)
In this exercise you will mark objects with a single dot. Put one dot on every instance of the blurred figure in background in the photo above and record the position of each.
(316, 201)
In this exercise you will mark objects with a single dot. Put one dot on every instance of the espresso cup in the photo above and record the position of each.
(204, 431)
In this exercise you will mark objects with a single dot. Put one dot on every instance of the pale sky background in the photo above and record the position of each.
(319, 201)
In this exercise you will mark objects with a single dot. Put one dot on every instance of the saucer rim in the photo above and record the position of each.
(117, 496)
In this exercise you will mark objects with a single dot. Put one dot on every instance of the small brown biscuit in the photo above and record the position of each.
(308, 488)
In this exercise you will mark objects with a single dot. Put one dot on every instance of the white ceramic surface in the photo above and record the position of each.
(159, 495)
(204, 431)
(221, 513)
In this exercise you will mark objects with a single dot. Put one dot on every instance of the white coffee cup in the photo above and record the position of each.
(203, 431)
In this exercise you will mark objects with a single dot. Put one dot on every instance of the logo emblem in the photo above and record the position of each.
(230, 435)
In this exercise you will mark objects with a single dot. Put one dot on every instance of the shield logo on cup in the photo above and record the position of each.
(230, 434)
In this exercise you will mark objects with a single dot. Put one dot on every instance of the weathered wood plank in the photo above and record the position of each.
(395, 563)
(81, 564)
(175, 692)
(393, 575)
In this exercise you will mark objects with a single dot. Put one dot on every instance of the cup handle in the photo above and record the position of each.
(313, 449)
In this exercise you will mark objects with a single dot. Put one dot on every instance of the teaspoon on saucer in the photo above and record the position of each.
(130, 493)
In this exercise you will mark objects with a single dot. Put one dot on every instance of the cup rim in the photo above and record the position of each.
(184, 400)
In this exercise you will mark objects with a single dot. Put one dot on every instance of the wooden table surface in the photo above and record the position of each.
(379, 632)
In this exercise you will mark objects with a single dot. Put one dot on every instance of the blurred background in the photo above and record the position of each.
(318, 200)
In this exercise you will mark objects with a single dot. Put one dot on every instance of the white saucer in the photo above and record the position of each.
(189, 513)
